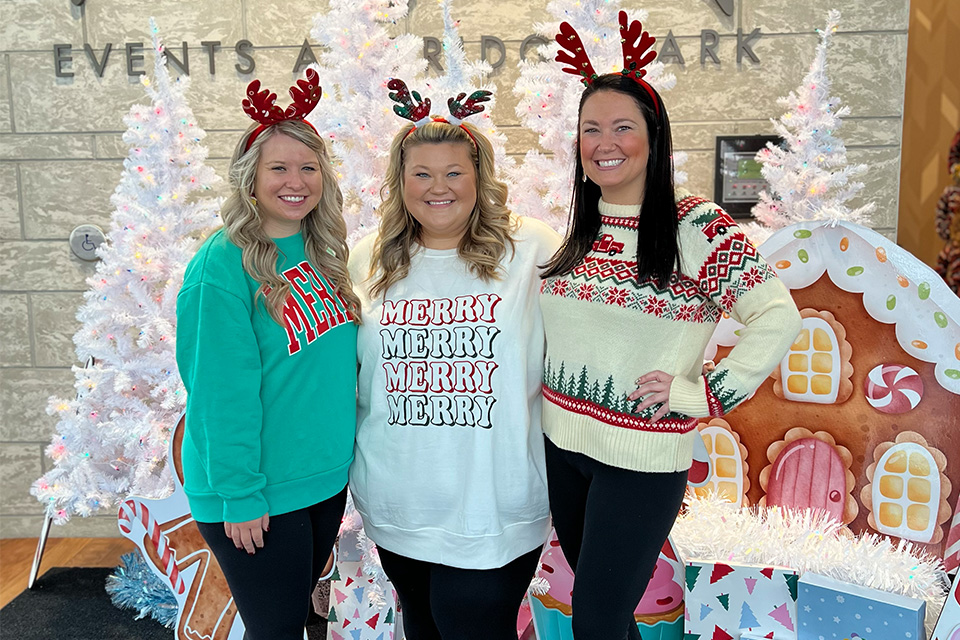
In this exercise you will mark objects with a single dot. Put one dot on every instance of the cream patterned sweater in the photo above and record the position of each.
(604, 330)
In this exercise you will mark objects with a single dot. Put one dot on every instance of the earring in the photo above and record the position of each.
(584, 177)
(253, 200)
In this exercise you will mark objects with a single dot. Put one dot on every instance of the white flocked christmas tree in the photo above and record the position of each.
(548, 100)
(461, 76)
(809, 177)
(356, 114)
(112, 440)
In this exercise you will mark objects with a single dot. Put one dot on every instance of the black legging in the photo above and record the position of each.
(611, 524)
(272, 587)
(445, 603)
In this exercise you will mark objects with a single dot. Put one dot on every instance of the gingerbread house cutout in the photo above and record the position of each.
(861, 418)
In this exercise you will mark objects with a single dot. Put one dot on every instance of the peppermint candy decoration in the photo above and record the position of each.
(893, 388)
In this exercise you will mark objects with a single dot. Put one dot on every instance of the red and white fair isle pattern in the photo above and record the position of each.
(682, 300)
(713, 402)
(632, 222)
(617, 419)
(133, 512)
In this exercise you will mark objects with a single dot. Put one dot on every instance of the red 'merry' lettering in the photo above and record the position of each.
(440, 311)
(325, 310)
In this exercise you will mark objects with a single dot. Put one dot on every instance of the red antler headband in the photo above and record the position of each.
(260, 106)
(411, 107)
(637, 46)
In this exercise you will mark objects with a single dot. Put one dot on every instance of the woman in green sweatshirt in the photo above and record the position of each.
(266, 346)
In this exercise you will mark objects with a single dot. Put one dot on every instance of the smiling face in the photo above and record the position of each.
(288, 185)
(614, 146)
(440, 191)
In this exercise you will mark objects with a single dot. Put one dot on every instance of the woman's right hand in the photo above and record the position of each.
(248, 535)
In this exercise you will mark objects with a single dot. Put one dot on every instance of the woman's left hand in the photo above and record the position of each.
(656, 387)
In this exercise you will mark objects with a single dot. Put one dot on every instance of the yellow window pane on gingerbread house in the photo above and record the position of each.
(896, 463)
(891, 487)
(891, 514)
(919, 465)
(797, 384)
(726, 468)
(802, 343)
(918, 490)
(822, 363)
(821, 385)
(918, 515)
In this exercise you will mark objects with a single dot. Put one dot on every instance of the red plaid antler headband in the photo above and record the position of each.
(637, 46)
(411, 107)
(260, 106)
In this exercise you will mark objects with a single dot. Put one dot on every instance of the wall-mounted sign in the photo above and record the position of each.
(84, 241)
(67, 60)
(738, 178)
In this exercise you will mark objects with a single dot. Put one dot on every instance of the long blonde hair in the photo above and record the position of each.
(324, 230)
(489, 230)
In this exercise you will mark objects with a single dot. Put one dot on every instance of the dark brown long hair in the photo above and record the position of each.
(658, 243)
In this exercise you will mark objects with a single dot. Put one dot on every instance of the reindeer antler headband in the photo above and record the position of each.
(411, 107)
(260, 106)
(637, 46)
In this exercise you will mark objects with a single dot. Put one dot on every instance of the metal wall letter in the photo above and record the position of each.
(431, 52)
(184, 64)
(532, 40)
(243, 46)
(61, 56)
(487, 41)
(98, 65)
(211, 46)
(709, 41)
(134, 56)
(670, 51)
(744, 45)
(306, 57)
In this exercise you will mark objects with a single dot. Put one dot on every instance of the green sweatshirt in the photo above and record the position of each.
(271, 409)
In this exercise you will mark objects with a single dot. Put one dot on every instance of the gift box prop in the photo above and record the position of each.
(359, 609)
(859, 418)
(948, 624)
(171, 543)
(659, 615)
(723, 599)
(830, 608)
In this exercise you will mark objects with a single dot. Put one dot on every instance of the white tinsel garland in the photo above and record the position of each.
(713, 529)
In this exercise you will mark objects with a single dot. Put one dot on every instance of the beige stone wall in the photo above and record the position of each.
(61, 152)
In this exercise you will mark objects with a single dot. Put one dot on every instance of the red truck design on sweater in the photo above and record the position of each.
(606, 244)
(714, 224)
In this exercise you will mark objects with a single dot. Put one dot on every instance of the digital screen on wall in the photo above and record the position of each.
(739, 179)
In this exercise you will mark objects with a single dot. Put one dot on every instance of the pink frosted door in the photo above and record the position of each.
(808, 473)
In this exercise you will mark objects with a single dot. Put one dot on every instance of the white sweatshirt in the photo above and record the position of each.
(449, 463)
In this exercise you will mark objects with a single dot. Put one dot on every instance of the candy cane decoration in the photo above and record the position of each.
(951, 555)
(133, 511)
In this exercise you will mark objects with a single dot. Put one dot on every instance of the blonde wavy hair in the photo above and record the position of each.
(324, 230)
(489, 230)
